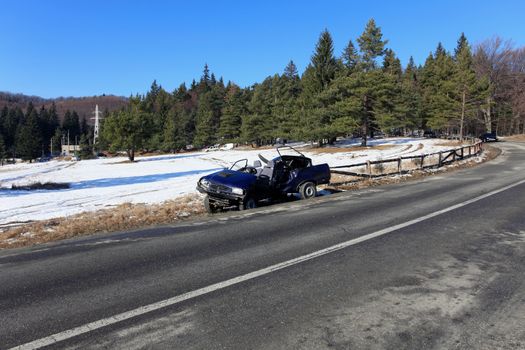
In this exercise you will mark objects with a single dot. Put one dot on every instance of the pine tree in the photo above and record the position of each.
(86, 149)
(3, 150)
(350, 57)
(230, 122)
(71, 125)
(371, 45)
(29, 138)
(323, 61)
(290, 71)
(468, 94)
(127, 129)
(52, 121)
(392, 64)
(15, 118)
(204, 128)
(438, 89)
(56, 142)
(410, 102)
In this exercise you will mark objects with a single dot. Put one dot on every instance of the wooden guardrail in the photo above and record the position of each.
(421, 161)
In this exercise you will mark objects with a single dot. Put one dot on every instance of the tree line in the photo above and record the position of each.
(34, 133)
(363, 91)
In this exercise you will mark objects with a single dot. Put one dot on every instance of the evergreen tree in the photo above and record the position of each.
(84, 128)
(204, 83)
(15, 118)
(371, 45)
(204, 128)
(285, 111)
(3, 150)
(3, 118)
(71, 125)
(86, 149)
(230, 122)
(290, 71)
(56, 142)
(392, 64)
(29, 138)
(439, 89)
(127, 129)
(410, 101)
(323, 61)
(468, 94)
(350, 57)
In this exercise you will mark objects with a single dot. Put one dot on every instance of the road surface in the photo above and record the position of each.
(435, 263)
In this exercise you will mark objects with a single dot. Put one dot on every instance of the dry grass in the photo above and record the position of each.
(124, 217)
(349, 183)
(519, 138)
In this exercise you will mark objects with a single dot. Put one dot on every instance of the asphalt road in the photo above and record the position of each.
(432, 278)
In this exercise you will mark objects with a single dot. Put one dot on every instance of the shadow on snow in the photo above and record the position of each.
(112, 182)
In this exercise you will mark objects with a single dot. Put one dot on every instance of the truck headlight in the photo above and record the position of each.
(238, 191)
(205, 183)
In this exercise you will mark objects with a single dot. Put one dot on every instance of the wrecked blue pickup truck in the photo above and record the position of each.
(244, 186)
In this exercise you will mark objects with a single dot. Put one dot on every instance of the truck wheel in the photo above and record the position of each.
(210, 208)
(248, 203)
(308, 190)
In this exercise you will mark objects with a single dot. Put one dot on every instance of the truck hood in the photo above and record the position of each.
(232, 178)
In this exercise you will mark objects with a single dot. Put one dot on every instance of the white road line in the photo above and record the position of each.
(55, 338)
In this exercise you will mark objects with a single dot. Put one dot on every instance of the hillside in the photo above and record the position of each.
(84, 106)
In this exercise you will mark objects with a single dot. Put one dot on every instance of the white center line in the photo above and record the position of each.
(55, 338)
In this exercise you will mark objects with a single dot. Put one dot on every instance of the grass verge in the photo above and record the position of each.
(123, 217)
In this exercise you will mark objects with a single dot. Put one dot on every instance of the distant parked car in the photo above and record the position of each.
(212, 148)
(227, 147)
(489, 137)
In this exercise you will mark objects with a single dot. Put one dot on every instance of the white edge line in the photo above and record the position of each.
(57, 337)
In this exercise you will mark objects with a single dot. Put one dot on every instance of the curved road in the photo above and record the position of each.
(436, 263)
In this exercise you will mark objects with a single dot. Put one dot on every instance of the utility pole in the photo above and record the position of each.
(97, 124)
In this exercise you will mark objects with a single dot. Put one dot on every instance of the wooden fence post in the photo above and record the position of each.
(399, 165)
(462, 153)
(422, 160)
(440, 162)
(369, 168)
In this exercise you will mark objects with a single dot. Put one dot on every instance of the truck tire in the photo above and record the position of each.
(210, 208)
(308, 190)
(248, 203)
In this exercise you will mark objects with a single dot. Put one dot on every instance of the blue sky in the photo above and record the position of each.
(82, 48)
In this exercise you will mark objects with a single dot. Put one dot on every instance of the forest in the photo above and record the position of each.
(363, 91)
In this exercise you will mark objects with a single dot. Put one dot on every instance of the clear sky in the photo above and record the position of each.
(81, 48)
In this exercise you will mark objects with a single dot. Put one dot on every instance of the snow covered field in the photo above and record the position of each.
(103, 183)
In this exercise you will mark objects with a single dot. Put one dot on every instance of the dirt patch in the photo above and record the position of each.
(124, 217)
